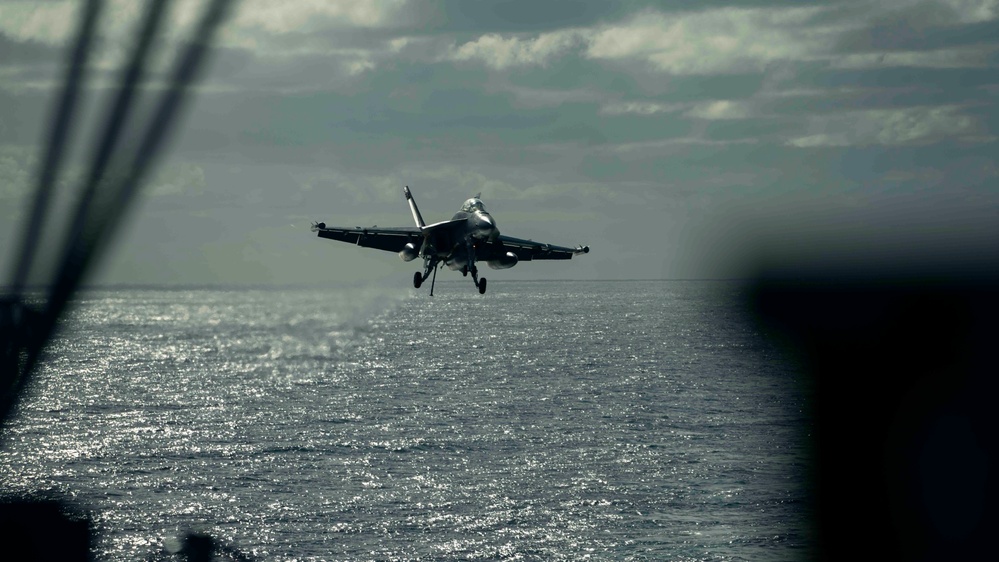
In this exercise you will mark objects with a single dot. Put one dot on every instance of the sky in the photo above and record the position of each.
(677, 139)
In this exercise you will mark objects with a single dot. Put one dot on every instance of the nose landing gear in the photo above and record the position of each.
(480, 284)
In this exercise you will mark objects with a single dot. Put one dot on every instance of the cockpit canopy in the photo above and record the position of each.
(472, 205)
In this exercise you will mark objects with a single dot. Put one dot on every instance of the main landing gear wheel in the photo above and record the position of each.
(482, 286)
(417, 279)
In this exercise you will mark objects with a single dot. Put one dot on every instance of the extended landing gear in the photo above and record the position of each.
(429, 265)
(479, 283)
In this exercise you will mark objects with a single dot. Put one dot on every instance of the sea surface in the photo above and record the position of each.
(555, 420)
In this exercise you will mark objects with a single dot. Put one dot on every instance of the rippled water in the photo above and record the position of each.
(541, 421)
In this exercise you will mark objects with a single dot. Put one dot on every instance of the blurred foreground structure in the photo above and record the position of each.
(50, 529)
(900, 362)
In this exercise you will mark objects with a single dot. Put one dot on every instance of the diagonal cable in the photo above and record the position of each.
(118, 112)
(58, 136)
(19, 325)
(96, 232)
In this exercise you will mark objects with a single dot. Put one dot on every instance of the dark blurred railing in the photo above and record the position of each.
(47, 528)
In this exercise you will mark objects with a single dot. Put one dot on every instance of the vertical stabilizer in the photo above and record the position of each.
(416, 211)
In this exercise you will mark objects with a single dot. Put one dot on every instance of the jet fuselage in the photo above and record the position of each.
(470, 236)
(479, 226)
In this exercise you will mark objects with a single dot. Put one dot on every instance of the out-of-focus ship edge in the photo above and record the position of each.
(45, 527)
(898, 356)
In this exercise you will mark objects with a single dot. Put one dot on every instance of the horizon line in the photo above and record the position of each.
(4, 289)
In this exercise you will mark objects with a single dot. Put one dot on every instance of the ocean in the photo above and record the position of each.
(544, 420)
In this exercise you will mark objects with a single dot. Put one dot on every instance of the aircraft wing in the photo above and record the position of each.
(527, 250)
(389, 239)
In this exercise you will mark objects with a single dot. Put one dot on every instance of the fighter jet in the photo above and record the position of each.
(470, 236)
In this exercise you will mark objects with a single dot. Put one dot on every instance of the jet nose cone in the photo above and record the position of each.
(484, 225)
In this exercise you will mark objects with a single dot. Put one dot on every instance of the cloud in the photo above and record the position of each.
(657, 148)
(638, 108)
(305, 16)
(40, 32)
(50, 23)
(727, 40)
(710, 110)
(721, 109)
(541, 97)
(337, 40)
(500, 52)
(969, 57)
(973, 11)
(921, 124)
(738, 40)
(267, 28)
(722, 40)
(56, 22)
(177, 179)
(891, 127)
